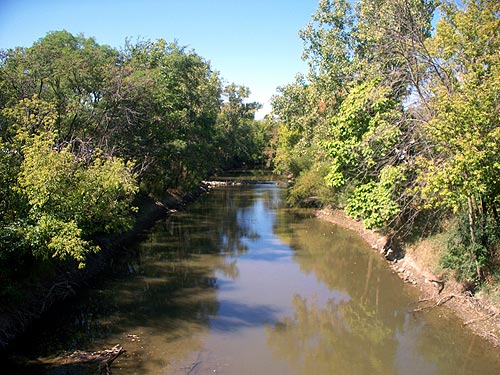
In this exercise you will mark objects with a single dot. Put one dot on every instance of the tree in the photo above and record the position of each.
(329, 46)
(461, 171)
(237, 128)
(83, 125)
(68, 199)
(70, 72)
(186, 99)
(390, 43)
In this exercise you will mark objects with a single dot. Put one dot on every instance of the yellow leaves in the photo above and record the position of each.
(465, 133)
(63, 240)
(69, 199)
(43, 171)
(30, 115)
(106, 187)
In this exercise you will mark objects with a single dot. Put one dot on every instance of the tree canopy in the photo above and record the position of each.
(398, 119)
(84, 127)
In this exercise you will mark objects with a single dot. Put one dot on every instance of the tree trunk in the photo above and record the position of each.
(471, 220)
(495, 212)
(473, 236)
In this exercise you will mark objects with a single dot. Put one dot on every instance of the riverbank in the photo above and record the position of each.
(38, 299)
(15, 319)
(436, 291)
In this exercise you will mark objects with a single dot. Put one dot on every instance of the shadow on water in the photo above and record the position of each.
(238, 285)
(163, 289)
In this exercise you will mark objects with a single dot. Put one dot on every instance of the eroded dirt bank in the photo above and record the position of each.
(474, 312)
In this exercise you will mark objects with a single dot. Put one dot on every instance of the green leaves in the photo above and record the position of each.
(375, 202)
(465, 131)
(361, 134)
(105, 190)
(53, 238)
(240, 135)
(68, 199)
(81, 124)
(412, 123)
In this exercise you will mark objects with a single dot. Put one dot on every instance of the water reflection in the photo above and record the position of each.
(238, 284)
(369, 331)
(321, 339)
(347, 335)
(162, 294)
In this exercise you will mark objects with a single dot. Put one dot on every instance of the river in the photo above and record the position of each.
(240, 284)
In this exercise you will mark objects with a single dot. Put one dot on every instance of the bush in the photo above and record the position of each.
(465, 256)
(311, 184)
(373, 202)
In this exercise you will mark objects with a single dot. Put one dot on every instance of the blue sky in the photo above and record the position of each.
(253, 43)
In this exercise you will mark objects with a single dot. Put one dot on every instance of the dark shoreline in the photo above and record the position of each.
(15, 320)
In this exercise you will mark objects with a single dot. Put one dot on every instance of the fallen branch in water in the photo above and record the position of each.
(424, 300)
(115, 352)
(103, 357)
(193, 366)
(483, 318)
(442, 301)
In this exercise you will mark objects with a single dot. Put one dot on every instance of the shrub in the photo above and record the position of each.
(464, 256)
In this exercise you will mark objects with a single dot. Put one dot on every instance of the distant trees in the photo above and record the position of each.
(394, 120)
(244, 139)
(84, 126)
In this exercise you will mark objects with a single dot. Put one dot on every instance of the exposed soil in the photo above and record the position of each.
(474, 312)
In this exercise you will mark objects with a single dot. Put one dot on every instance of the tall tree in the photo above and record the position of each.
(237, 127)
(461, 171)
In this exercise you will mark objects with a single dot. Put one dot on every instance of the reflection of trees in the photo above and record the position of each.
(447, 346)
(370, 332)
(331, 339)
(341, 260)
(215, 224)
(164, 290)
(178, 261)
(222, 222)
(355, 335)
(286, 221)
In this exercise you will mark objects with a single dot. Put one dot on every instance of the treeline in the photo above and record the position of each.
(398, 121)
(85, 127)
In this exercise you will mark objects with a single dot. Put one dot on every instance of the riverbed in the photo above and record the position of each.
(240, 284)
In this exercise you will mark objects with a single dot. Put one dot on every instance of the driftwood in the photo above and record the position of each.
(441, 301)
(104, 358)
(482, 318)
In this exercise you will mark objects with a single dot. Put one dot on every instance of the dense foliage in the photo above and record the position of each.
(84, 127)
(398, 120)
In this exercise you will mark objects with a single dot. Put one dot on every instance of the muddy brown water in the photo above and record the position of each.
(239, 284)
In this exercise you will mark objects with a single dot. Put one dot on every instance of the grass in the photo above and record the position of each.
(427, 252)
